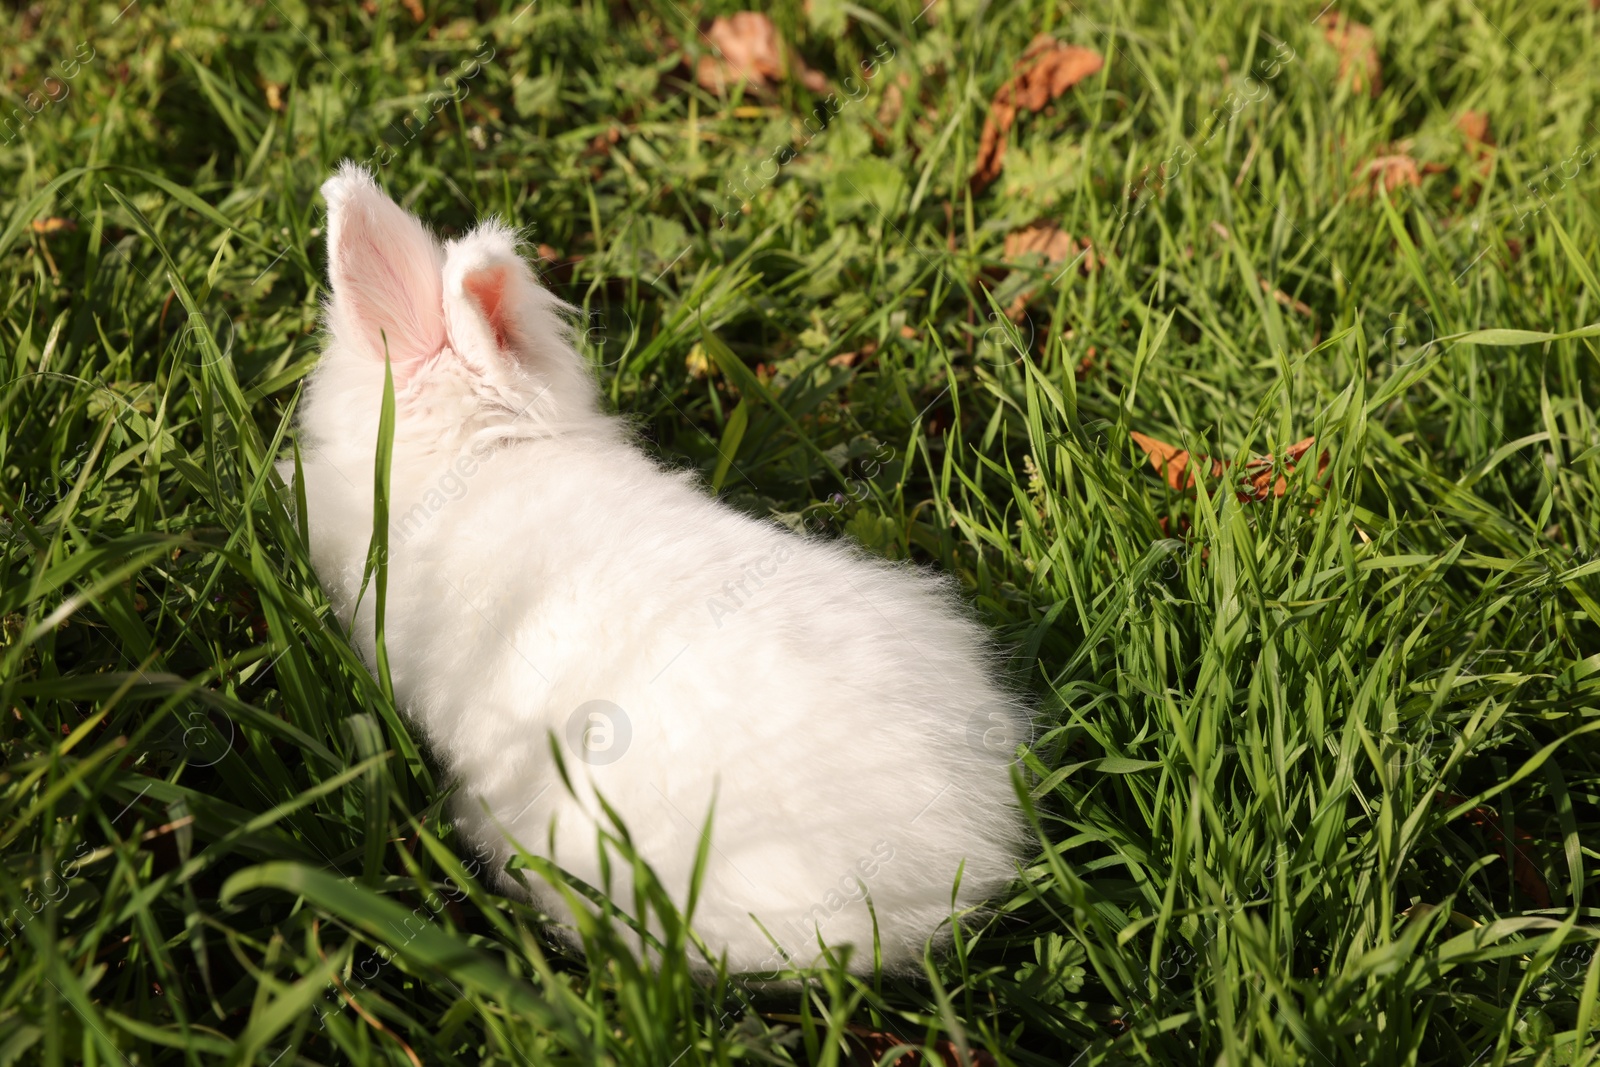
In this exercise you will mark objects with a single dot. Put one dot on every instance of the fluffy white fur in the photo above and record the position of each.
(829, 702)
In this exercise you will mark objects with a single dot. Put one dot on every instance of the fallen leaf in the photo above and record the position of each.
(274, 96)
(1258, 472)
(1172, 463)
(1358, 53)
(415, 8)
(1046, 70)
(894, 99)
(1524, 870)
(1474, 125)
(1390, 172)
(554, 267)
(874, 1045)
(602, 143)
(1299, 307)
(53, 225)
(1047, 241)
(752, 51)
(1256, 484)
(851, 359)
(1043, 245)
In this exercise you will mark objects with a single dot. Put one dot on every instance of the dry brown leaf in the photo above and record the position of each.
(894, 99)
(1258, 472)
(1184, 526)
(1045, 245)
(871, 1046)
(1524, 868)
(602, 143)
(1299, 307)
(53, 225)
(274, 96)
(1358, 53)
(554, 267)
(1172, 463)
(1046, 70)
(752, 51)
(415, 7)
(1048, 243)
(851, 359)
(1390, 172)
(1474, 125)
(1257, 483)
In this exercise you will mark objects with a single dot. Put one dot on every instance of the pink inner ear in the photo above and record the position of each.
(487, 287)
(386, 275)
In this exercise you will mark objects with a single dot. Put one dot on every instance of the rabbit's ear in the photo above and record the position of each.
(496, 312)
(385, 272)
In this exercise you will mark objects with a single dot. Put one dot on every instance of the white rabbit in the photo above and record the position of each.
(545, 576)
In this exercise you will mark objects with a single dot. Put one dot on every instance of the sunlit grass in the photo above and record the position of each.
(1317, 775)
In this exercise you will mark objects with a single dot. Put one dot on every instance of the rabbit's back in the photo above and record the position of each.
(838, 709)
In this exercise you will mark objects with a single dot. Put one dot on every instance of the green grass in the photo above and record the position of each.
(1317, 778)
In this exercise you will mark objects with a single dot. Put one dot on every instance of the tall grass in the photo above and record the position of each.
(1317, 777)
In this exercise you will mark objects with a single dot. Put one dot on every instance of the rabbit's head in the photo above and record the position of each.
(478, 348)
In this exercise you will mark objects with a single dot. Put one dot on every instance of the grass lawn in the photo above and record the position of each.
(1317, 772)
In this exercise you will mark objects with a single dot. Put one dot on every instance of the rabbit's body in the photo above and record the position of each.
(546, 577)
